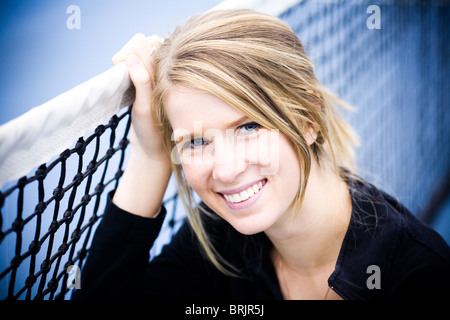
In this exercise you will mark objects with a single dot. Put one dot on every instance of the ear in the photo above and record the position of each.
(311, 134)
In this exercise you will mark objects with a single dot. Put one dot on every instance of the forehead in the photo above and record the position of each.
(186, 106)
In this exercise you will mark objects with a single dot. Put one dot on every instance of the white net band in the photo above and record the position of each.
(47, 130)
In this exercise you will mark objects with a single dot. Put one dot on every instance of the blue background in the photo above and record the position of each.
(41, 58)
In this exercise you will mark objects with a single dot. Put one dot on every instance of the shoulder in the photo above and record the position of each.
(421, 264)
(413, 259)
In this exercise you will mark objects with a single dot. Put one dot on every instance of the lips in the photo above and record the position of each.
(244, 192)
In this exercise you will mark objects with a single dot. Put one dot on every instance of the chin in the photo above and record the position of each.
(249, 225)
(247, 220)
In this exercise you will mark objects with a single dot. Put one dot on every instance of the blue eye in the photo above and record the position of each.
(194, 143)
(250, 127)
(197, 142)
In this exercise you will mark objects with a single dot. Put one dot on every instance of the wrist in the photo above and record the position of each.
(143, 184)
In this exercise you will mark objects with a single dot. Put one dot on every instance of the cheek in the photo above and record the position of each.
(196, 176)
(276, 156)
(288, 169)
(199, 177)
(265, 152)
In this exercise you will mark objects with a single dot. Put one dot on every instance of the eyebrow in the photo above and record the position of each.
(238, 122)
(233, 124)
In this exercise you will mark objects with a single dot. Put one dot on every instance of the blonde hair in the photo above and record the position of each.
(255, 63)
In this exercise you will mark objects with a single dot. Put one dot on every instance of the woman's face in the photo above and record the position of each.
(247, 174)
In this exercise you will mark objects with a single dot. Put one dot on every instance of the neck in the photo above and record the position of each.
(310, 240)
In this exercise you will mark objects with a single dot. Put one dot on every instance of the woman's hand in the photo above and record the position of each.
(137, 54)
(142, 187)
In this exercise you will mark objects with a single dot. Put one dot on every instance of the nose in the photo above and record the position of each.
(227, 173)
(229, 162)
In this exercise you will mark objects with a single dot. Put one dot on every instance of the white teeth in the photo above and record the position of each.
(244, 195)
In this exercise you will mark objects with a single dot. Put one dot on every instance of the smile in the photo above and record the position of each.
(245, 194)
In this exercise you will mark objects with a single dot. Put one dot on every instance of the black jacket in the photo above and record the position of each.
(386, 254)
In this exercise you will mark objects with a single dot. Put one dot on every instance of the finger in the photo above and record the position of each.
(127, 49)
(145, 47)
(143, 82)
(139, 75)
(140, 45)
(144, 50)
(155, 41)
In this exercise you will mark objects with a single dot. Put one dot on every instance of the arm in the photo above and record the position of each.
(118, 263)
(119, 255)
(145, 179)
(142, 186)
(133, 217)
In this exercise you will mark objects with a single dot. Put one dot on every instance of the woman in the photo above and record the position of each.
(230, 104)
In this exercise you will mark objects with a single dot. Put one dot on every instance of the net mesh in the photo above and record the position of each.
(396, 77)
(39, 244)
(44, 248)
